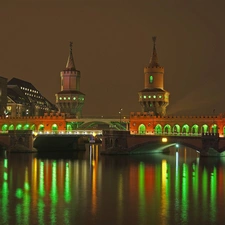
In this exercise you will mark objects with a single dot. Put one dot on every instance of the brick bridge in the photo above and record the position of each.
(124, 142)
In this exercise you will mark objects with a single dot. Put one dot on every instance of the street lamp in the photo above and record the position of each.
(120, 112)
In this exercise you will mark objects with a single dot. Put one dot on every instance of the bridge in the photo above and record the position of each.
(208, 144)
(27, 140)
(116, 142)
(59, 121)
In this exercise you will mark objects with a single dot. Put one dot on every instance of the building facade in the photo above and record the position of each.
(23, 99)
(3, 96)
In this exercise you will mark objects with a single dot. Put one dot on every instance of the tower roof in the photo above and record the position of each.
(154, 58)
(70, 65)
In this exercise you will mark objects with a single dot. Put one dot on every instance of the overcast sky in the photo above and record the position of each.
(112, 44)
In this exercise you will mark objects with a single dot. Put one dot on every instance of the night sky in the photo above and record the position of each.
(112, 44)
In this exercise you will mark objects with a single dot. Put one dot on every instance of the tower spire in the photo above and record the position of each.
(70, 65)
(154, 59)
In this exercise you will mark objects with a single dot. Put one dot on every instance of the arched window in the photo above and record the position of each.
(167, 129)
(151, 79)
(194, 129)
(142, 129)
(158, 129)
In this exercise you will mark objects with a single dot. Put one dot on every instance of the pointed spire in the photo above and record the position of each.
(154, 59)
(70, 65)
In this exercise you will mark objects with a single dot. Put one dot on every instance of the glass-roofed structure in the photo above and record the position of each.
(23, 99)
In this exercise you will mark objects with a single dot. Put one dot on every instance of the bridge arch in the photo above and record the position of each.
(205, 129)
(33, 127)
(185, 129)
(142, 129)
(176, 128)
(69, 127)
(224, 130)
(214, 129)
(4, 127)
(158, 129)
(41, 127)
(54, 127)
(26, 126)
(11, 127)
(19, 127)
(194, 129)
(167, 129)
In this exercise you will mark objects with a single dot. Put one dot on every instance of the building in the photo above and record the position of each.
(70, 100)
(23, 99)
(3, 95)
(153, 98)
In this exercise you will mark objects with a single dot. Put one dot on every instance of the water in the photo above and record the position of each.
(88, 188)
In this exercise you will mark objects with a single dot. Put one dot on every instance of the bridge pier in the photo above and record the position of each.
(20, 141)
(210, 145)
(114, 139)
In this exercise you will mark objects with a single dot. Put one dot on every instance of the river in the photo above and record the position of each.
(88, 188)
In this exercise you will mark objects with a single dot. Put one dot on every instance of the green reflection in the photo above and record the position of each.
(41, 207)
(19, 193)
(213, 188)
(66, 216)
(54, 194)
(26, 208)
(26, 186)
(5, 175)
(6, 163)
(41, 180)
(195, 187)
(177, 183)
(19, 210)
(67, 194)
(5, 201)
(184, 193)
(204, 190)
(141, 190)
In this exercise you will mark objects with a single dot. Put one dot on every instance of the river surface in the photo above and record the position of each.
(87, 188)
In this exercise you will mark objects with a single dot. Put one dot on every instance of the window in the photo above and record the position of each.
(151, 79)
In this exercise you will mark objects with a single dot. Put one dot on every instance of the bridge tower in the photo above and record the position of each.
(153, 98)
(70, 100)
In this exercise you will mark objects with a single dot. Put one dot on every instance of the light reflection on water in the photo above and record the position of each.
(87, 188)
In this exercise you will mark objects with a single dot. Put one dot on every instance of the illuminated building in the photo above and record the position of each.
(70, 100)
(3, 95)
(23, 99)
(153, 98)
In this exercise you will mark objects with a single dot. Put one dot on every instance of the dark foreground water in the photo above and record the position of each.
(88, 188)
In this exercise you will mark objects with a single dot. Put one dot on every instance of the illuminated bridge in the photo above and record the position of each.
(120, 142)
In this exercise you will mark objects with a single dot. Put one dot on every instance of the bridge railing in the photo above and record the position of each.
(173, 134)
(66, 132)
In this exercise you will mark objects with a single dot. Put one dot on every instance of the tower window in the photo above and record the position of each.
(144, 96)
(149, 96)
(74, 98)
(160, 96)
(151, 79)
(64, 98)
(154, 96)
